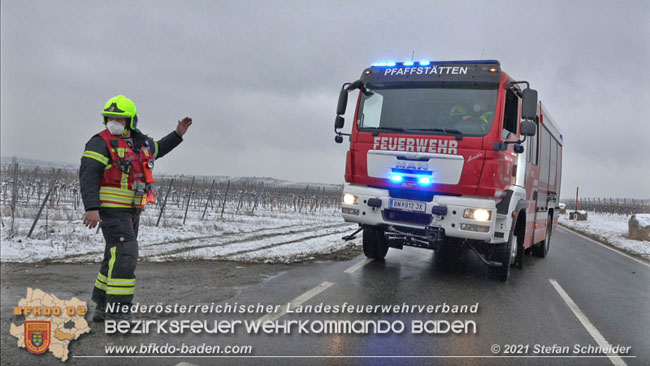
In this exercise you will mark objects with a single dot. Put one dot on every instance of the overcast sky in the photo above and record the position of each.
(261, 78)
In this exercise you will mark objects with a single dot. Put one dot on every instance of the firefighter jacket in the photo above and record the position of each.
(112, 171)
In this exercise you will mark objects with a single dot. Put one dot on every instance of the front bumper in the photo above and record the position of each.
(453, 223)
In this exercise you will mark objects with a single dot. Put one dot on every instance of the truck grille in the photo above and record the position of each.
(409, 194)
(413, 218)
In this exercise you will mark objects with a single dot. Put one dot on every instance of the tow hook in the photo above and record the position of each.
(353, 235)
(434, 235)
(482, 258)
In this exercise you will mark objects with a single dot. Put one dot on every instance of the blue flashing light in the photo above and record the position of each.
(425, 180)
(384, 64)
(396, 178)
(428, 63)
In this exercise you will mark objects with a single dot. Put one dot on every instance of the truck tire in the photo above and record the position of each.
(500, 253)
(541, 250)
(375, 244)
(518, 241)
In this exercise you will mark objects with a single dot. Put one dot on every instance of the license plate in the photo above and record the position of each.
(408, 205)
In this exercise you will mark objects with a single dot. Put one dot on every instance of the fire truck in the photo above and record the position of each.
(449, 155)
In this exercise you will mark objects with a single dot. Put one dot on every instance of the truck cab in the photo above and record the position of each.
(438, 160)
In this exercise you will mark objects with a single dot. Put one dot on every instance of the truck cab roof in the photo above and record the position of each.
(409, 72)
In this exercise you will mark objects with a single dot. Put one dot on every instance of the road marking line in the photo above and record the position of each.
(602, 342)
(358, 265)
(603, 245)
(297, 301)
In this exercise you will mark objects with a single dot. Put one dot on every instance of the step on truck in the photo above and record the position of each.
(453, 154)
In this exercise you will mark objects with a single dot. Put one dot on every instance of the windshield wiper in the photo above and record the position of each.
(448, 131)
(390, 128)
(376, 130)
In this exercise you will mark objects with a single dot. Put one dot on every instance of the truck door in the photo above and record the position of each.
(531, 183)
(541, 212)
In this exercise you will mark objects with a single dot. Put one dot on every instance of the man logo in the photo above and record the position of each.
(37, 336)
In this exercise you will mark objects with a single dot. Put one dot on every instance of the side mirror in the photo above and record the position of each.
(529, 104)
(343, 101)
(339, 121)
(528, 128)
(354, 85)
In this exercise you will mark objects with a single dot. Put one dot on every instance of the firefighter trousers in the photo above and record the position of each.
(115, 283)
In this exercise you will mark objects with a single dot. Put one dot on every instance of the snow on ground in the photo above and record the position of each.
(265, 236)
(283, 247)
(611, 228)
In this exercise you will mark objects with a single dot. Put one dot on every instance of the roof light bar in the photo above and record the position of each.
(384, 64)
(428, 63)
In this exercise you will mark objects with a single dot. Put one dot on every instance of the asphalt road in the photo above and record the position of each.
(583, 294)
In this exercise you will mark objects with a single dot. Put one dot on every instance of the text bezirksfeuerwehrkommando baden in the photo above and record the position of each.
(302, 326)
(289, 308)
(308, 326)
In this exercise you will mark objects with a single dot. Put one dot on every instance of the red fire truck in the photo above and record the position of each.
(451, 154)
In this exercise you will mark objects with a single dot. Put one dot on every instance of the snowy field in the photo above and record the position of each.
(265, 236)
(611, 228)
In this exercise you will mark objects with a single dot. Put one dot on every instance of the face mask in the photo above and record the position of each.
(477, 107)
(114, 127)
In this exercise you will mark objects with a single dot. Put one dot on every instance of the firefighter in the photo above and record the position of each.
(115, 178)
(480, 113)
(458, 113)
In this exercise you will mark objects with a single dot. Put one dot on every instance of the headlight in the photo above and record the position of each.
(350, 199)
(478, 214)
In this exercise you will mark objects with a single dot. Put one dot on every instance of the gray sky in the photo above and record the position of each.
(261, 78)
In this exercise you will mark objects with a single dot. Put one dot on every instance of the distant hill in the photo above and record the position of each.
(266, 180)
(39, 163)
(24, 162)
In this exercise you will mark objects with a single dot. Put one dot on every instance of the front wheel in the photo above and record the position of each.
(517, 238)
(501, 253)
(375, 244)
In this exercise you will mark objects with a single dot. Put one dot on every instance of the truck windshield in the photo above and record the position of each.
(468, 111)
